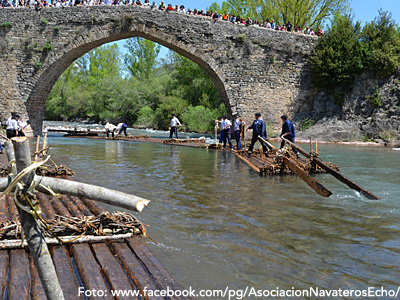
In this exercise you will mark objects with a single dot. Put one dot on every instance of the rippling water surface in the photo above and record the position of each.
(220, 224)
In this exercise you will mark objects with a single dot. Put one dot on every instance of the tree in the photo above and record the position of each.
(337, 59)
(301, 13)
(141, 59)
(381, 44)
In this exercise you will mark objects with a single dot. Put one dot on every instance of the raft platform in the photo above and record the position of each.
(122, 264)
(99, 260)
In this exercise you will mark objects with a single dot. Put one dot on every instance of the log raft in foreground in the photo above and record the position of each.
(89, 264)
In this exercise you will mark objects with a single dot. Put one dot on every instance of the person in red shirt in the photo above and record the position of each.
(170, 8)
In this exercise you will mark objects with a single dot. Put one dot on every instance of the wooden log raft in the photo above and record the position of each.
(335, 174)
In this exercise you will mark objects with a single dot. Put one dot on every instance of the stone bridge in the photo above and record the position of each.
(254, 69)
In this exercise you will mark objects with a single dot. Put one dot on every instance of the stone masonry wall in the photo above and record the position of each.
(254, 69)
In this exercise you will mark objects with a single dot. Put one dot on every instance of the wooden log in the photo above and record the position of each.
(154, 266)
(134, 269)
(17, 244)
(20, 283)
(268, 144)
(251, 165)
(71, 206)
(60, 208)
(4, 212)
(112, 270)
(336, 174)
(13, 210)
(89, 270)
(48, 210)
(85, 208)
(37, 291)
(37, 245)
(96, 193)
(65, 273)
(313, 183)
(4, 264)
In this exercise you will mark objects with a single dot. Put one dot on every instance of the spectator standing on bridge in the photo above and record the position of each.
(174, 126)
(122, 127)
(236, 127)
(288, 132)
(162, 6)
(259, 130)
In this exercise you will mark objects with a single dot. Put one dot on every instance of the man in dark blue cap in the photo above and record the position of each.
(288, 132)
(259, 130)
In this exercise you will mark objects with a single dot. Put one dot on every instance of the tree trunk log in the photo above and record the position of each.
(36, 242)
(334, 173)
(93, 192)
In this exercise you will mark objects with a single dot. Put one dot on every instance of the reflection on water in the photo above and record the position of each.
(219, 223)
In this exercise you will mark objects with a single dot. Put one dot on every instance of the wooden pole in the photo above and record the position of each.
(36, 242)
(44, 144)
(311, 145)
(336, 174)
(10, 154)
(316, 147)
(313, 183)
(93, 192)
(269, 145)
(37, 147)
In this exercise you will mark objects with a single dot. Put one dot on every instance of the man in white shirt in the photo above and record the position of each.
(236, 128)
(174, 129)
(12, 126)
(122, 127)
(226, 131)
(110, 128)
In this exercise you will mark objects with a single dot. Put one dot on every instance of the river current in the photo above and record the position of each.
(220, 224)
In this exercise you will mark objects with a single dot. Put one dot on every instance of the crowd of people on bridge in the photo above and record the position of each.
(237, 19)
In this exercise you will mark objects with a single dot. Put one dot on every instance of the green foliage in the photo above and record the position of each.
(145, 117)
(48, 47)
(94, 19)
(44, 21)
(306, 123)
(303, 13)
(375, 99)
(381, 44)
(6, 24)
(57, 28)
(38, 64)
(200, 118)
(337, 59)
(141, 59)
(96, 87)
(388, 135)
(345, 51)
(242, 37)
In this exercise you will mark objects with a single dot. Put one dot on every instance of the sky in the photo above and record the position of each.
(363, 10)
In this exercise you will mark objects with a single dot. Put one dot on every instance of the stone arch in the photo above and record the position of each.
(58, 61)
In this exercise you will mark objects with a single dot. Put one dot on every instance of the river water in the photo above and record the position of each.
(219, 224)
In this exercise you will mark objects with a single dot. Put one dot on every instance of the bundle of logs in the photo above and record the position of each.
(187, 140)
(104, 224)
(134, 137)
(60, 170)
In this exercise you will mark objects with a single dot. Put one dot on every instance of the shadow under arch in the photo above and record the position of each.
(60, 60)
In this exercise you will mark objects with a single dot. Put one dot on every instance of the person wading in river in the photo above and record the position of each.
(174, 126)
(259, 130)
(288, 132)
